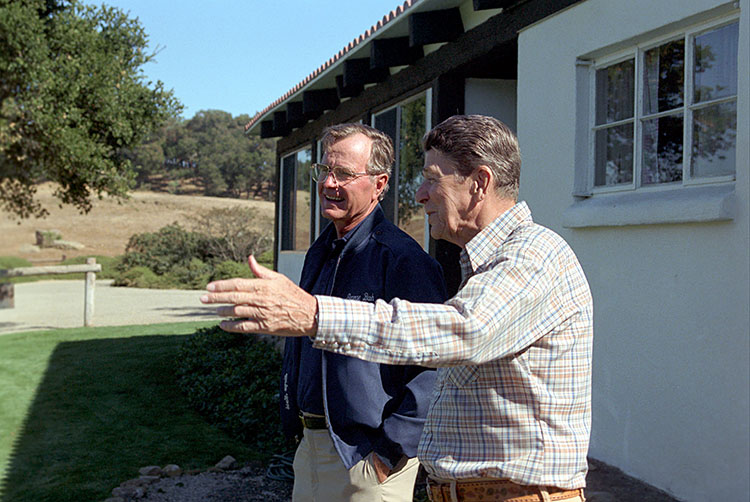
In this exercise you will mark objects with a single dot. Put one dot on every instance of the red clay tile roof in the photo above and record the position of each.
(354, 43)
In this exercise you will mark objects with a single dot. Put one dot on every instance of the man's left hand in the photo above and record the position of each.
(270, 304)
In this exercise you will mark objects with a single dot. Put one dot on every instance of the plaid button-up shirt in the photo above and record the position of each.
(513, 394)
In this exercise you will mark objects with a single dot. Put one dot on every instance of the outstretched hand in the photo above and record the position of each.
(270, 304)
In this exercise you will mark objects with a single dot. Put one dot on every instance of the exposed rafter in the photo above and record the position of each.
(294, 115)
(388, 52)
(359, 72)
(315, 102)
(493, 4)
(435, 26)
(347, 92)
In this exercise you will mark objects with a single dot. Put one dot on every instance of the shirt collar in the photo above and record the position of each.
(483, 245)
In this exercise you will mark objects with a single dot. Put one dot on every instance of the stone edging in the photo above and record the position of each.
(137, 488)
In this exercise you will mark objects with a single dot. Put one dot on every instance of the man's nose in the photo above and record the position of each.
(330, 180)
(421, 194)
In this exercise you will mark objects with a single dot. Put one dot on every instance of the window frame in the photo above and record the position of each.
(636, 52)
(395, 173)
(285, 213)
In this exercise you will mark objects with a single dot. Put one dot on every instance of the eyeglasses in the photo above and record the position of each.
(342, 175)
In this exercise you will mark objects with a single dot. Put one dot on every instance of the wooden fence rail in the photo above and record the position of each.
(90, 269)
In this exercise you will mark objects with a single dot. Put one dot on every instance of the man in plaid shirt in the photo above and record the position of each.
(511, 410)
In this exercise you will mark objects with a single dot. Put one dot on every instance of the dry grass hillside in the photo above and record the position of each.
(105, 230)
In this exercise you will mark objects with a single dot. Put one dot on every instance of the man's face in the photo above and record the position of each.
(446, 198)
(348, 204)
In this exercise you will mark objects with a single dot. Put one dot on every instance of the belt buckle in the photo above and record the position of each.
(453, 497)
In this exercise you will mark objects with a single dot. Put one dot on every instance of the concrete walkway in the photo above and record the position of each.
(59, 304)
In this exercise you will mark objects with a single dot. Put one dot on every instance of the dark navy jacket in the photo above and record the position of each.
(370, 407)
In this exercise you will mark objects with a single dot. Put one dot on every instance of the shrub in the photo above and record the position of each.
(229, 269)
(189, 259)
(231, 237)
(139, 277)
(232, 379)
(160, 251)
(194, 275)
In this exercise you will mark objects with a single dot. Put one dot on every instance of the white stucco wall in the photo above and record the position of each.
(493, 97)
(672, 301)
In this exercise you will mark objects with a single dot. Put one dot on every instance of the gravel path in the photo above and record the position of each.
(248, 484)
(59, 304)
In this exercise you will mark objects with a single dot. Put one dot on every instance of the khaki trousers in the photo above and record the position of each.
(320, 475)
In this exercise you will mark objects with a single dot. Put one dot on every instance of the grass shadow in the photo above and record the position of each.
(102, 409)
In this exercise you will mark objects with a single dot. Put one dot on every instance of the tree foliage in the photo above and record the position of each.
(211, 149)
(72, 97)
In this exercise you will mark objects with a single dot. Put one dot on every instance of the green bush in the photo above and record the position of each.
(266, 259)
(160, 251)
(140, 277)
(232, 379)
(229, 269)
(195, 275)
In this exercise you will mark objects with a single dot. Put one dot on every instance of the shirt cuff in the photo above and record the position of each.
(342, 321)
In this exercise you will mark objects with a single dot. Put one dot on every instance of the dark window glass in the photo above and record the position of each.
(664, 77)
(662, 150)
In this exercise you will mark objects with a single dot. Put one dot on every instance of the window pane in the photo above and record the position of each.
(287, 201)
(614, 155)
(303, 219)
(410, 161)
(663, 77)
(388, 123)
(614, 92)
(716, 64)
(662, 150)
(714, 140)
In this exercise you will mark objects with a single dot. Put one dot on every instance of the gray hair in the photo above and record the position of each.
(381, 152)
(475, 140)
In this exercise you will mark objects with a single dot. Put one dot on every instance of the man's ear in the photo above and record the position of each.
(482, 181)
(380, 183)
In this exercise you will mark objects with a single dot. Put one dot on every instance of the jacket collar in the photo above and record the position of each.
(353, 239)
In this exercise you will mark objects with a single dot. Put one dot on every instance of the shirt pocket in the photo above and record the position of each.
(461, 376)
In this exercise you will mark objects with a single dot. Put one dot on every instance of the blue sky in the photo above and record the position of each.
(239, 56)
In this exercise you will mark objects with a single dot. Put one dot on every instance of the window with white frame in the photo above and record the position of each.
(665, 113)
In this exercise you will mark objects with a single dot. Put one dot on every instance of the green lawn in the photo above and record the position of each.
(82, 409)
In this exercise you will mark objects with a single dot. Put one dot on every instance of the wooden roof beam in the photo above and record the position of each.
(294, 116)
(493, 4)
(280, 125)
(347, 92)
(435, 26)
(388, 52)
(266, 129)
(315, 102)
(359, 72)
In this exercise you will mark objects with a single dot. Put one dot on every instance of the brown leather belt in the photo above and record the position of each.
(494, 490)
(313, 422)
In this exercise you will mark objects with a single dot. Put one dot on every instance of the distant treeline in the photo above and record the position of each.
(209, 152)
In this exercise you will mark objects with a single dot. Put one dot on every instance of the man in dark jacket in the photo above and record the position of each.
(360, 422)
